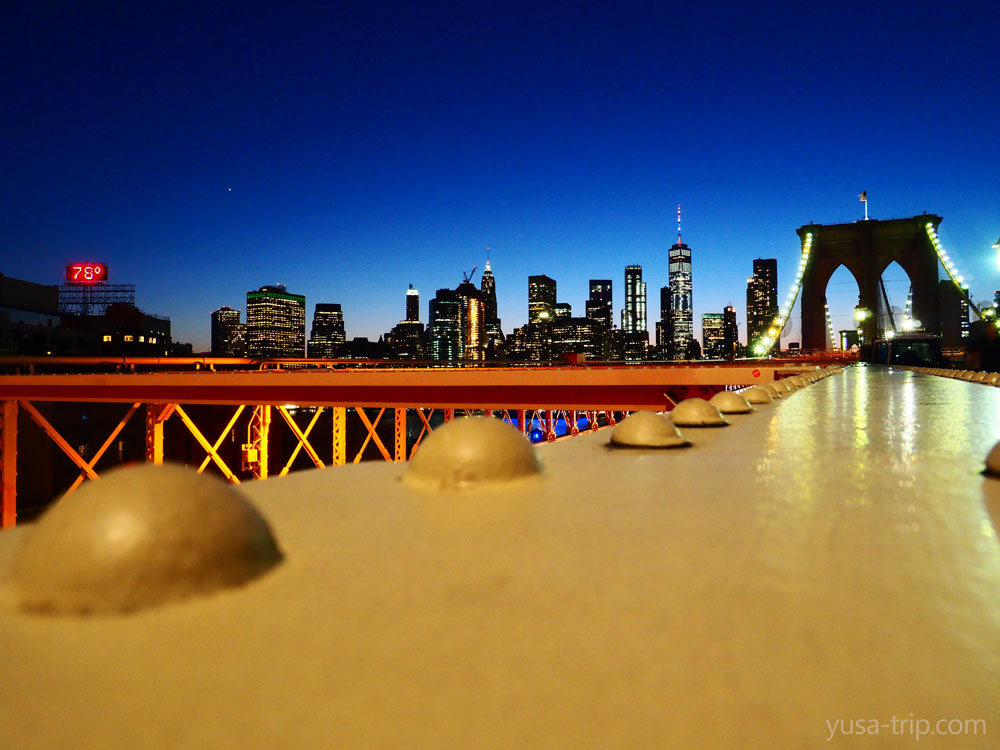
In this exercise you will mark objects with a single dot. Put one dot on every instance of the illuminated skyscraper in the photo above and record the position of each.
(412, 304)
(599, 306)
(494, 334)
(762, 299)
(327, 334)
(444, 325)
(228, 333)
(730, 335)
(681, 307)
(473, 322)
(713, 336)
(276, 323)
(541, 299)
(634, 313)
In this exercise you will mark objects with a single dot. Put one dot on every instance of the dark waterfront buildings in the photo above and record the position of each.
(730, 333)
(762, 298)
(228, 333)
(276, 323)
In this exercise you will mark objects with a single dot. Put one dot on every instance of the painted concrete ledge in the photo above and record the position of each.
(832, 557)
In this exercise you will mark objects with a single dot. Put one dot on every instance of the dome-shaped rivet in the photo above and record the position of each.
(993, 461)
(783, 387)
(646, 429)
(470, 452)
(977, 377)
(798, 381)
(991, 378)
(756, 395)
(771, 390)
(697, 412)
(730, 402)
(967, 374)
(138, 537)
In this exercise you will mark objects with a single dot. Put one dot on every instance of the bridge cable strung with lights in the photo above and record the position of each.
(950, 268)
(764, 344)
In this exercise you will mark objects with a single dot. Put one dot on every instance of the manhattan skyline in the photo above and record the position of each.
(348, 152)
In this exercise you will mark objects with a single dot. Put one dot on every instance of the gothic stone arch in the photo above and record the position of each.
(866, 248)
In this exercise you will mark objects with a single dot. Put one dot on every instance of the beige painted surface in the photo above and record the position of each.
(833, 556)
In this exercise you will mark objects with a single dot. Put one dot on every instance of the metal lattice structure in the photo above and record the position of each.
(93, 299)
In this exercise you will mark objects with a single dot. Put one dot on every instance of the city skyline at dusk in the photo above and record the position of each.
(348, 152)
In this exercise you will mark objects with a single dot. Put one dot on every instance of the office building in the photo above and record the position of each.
(541, 299)
(762, 299)
(228, 333)
(473, 322)
(327, 337)
(634, 312)
(681, 301)
(276, 323)
(563, 310)
(730, 333)
(412, 304)
(569, 335)
(664, 326)
(599, 306)
(494, 334)
(444, 327)
(713, 336)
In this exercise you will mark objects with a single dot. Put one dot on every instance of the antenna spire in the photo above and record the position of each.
(678, 223)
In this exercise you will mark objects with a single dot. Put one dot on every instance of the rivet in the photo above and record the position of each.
(783, 387)
(697, 412)
(756, 395)
(967, 374)
(770, 390)
(798, 381)
(993, 461)
(730, 402)
(138, 537)
(991, 378)
(646, 429)
(469, 452)
(977, 377)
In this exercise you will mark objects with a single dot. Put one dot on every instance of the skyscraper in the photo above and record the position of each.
(599, 306)
(444, 326)
(473, 322)
(494, 334)
(327, 334)
(228, 333)
(276, 323)
(730, 335)
(634, 313)
(412, 304)
(713, 335)
(762, 299)
(664, 326)
(681, 307)
(541, 299)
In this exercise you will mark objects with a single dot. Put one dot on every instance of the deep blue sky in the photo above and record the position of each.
(348, 150)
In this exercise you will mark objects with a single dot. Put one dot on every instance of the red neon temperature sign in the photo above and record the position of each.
(86, 273)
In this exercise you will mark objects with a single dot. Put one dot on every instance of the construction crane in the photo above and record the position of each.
(468, 276)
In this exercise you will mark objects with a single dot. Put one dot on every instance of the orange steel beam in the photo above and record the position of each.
(260, 429)
(339, 436)
(399, 435)
(371, 434)
(58, 439)
(222, 436)
(193, 429)
(8, 465)
(618, 388)
(156, 415)
(107, 444)
(303, 438)
(423, 430)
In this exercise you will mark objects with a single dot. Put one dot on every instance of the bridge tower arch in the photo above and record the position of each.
(865, 248)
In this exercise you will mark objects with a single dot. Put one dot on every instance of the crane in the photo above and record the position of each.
(468, 276)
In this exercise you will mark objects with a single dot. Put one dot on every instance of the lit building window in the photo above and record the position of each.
(142, 339)
(107, 337)
(129, 337)
(152, 339)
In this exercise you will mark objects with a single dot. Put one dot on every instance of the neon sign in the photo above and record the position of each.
(86, 273)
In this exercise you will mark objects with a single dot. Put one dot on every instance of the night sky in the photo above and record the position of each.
(347, 150)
